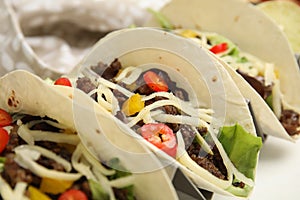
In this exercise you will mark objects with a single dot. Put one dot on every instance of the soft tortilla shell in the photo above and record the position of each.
(24, 92)
(206, 78)
(253, 32)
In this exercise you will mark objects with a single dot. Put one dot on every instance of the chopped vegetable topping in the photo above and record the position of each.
(36, 194)
(120, 170)
(128, 191)
(164, 22)
(155, 82)
(5, 118)
(133, 105)
(97, 191)
(63, 81)
(54, 186)
(161, 136)
(73, 194)
(189, 33)
(218, 48)
(4, 138)
(241, 147)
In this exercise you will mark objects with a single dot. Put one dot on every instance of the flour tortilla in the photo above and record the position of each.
(203, 75)
(24, 92)
(253, 32)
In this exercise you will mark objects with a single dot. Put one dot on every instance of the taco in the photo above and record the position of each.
(253, 50)
(42, 156)
(174, 98)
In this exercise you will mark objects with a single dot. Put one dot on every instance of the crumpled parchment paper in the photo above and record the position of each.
(49, 37)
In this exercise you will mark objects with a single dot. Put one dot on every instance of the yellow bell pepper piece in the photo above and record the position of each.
(188, 33)
(54, 186)
(36, 194)
(133, 105)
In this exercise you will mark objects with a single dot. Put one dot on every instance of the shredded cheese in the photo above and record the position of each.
(19, 191)
(114, 86)
(50, 122)
(26, 155)
(37, 135)
(129, 75)
(79, 166)
(202, 142)
(122, 182)
(276, 100)
(181, 119)
(269, 74)
(157, 104)
(7, 193)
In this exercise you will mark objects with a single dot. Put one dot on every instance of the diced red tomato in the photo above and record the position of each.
(4, 138)
(161, 136)
(155, 82)
(73, 194)
(218, 48)
(5, 118)
(63, 81)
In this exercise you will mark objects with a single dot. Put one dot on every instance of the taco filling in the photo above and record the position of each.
(156, 108)
(261, 75)
(41, 159)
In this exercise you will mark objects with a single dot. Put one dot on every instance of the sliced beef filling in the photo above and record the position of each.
(121, 116)
(239, 184)
(290, 121)
(120, 97)
(212, 163)
(188, 135)
(13, 173)
(85, 84)
(258, 83)
(58, 149)
(107, 72)
(121, 193)
(289, 118)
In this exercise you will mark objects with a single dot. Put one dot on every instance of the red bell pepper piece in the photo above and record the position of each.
(73, 194)
(4, 138)
(63, 81)
(5, 118)
(155, 82)
(219, 48)
(161, 136)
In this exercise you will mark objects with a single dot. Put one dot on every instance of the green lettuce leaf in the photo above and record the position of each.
(115, 164)
(269, 101)
(97, 191)
(241, 147)
(164, 22)
(128, 191)
(234, 50)
(2, 161)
